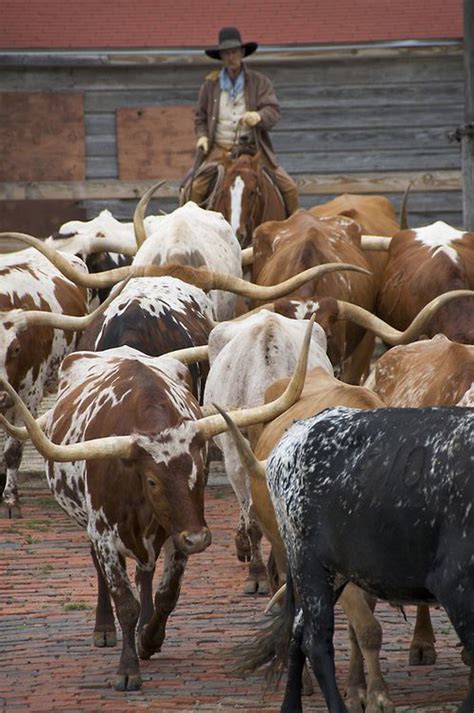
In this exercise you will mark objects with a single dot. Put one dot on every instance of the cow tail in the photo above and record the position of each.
(270, 645)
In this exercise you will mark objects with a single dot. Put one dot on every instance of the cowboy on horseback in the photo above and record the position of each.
(237, 101)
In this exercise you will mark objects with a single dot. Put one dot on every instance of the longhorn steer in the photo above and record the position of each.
(245, 357)
(321, 391)
(30, 356)
(422, 264)
(380, 498)
(284, 248)
(124, 449)
(155, 315)
(434, 372)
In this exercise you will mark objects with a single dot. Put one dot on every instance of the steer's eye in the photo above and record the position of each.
(151, 483)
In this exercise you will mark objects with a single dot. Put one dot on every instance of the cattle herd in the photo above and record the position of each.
(164, 334)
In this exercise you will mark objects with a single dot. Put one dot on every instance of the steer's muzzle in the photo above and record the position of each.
(192, 542)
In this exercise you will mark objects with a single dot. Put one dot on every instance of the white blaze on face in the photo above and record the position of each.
(236, 194)
(438, 237)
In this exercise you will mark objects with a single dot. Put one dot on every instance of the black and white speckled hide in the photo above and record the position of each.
(155, 315)
(30, 356)
(193, 236)
(383, 499)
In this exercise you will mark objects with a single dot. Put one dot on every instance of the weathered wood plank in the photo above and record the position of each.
(365, 161)
(101, 167)
(101, 145)
(361, 139)
(100, 124)
(367, 118)
(308, 184)
(41, 136)
(328, 70)
(155, 142)
(297, 95)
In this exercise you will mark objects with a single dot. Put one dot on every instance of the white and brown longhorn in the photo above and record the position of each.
(30, 356)
(125, 448)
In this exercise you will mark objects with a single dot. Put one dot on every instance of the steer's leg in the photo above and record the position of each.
(144, 582)
(422, 650)
(257, 580)
(127, 609)
(166, 598)
(318, 598)
(296, 659)
(366, 642)
(104, 629)
(455, 594)
(13, 452)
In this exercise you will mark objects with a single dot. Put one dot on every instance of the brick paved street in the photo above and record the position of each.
(48, 663)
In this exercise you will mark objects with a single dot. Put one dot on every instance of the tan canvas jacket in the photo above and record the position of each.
(259, 96)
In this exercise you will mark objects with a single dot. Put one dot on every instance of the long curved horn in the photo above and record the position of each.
(276, 599)
(55, 320)
(20, 433)
(139, 213)
(200, 277)
(190, 355)
(393, 336)
(254, 467)
(111, 446)
(206, 280)
(210, 426)
(247, 256)
(375, 242)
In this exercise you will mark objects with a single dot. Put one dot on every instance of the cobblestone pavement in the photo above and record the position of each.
(48, 663)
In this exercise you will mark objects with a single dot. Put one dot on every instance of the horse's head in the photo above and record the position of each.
(242, 200)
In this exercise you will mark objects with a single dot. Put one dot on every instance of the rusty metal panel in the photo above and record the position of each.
(38, 218)
(155, 142)
(41, 136)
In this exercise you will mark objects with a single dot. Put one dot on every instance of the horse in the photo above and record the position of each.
(246, 195)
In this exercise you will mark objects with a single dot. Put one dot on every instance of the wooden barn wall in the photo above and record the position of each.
(373, 115)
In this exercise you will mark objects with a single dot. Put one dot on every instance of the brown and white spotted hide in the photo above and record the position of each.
(30, 357)
(423, 264)
(283, 249)
(131, 507)
(193, 236)
(432, 372)
(119, 392)
(245, 357)
(155, 315)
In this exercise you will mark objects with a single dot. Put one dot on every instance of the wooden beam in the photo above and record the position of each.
(467, 132)
(308, 184)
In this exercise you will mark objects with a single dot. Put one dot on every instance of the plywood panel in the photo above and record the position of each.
(36, 217)
(155, 142)
(41, 137)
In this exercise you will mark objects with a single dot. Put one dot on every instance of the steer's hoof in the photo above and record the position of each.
(379, 702)
(354, 699)
(145, 651)
(125, 682)
(102, 639)
(11, 511)
(422, 655)
(250, 586)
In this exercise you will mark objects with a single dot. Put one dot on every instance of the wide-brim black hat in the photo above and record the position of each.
(229, 38)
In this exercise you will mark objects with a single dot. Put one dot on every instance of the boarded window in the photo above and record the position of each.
(155, 142)
(41, 137)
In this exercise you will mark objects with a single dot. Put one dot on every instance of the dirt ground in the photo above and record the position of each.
(47, 599)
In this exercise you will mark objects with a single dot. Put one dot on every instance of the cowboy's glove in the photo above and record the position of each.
(203, 143)
(251, 118)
